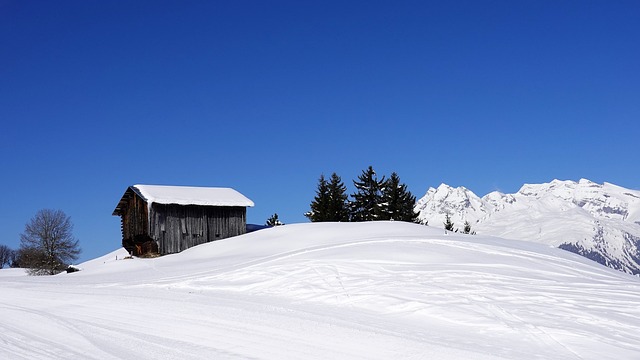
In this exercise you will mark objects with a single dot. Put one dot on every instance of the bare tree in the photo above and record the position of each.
(47, 244)
(6, 255)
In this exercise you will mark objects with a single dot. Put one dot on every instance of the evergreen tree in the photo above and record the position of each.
(397, 202)
(274, 221)
(338, 207)
(448, 225)
(467, 229)
(330, 202)
(367, 200)
(320, 204)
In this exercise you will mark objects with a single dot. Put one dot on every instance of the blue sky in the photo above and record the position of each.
(264, 96)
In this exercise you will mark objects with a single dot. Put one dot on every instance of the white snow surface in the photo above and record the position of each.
(193, 195)
(380, 290)
(603, 220)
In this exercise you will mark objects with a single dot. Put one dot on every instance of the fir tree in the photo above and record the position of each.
(367, 199)
(448, 225)
(320, 204)
(467, 229)
(338, 207)
(397, 202)
(274, 221)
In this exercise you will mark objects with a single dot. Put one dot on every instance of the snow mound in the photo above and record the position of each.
(375, 290)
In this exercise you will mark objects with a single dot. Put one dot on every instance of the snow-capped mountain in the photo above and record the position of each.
(598, 221)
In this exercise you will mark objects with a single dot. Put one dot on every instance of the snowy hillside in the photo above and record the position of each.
(599, 221)
(382, 290)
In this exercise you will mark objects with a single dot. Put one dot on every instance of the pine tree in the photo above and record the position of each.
(338, 207)
(397, 202)
(367, 199)
(320, 204)
(467, 229)
(448, 225)
(330, 202)
(274, 221)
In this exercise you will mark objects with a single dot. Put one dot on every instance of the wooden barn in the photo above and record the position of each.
(168, 219)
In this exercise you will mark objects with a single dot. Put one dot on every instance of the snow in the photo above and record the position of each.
(380, 290)
(603, 218)
(191, 195)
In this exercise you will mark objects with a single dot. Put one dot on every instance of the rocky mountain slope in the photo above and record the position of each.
(598, 221)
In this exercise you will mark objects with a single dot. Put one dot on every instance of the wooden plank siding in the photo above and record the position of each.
(166, 228)
(134, 220)
(179, 227)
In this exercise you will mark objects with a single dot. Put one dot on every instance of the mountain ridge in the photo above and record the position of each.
(598, 221)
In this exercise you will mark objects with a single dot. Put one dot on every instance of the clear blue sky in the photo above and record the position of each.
(264, 96)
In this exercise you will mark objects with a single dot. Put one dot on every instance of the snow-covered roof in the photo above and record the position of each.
(191, 195)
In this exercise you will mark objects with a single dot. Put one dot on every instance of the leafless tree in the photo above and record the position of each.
(47, 244)
(6, 255)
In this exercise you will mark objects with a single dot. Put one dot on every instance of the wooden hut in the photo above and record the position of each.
(168, 219)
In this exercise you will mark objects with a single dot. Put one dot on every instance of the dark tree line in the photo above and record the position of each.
(374, 199)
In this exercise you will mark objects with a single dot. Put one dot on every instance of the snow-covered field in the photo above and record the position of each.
(379, 290)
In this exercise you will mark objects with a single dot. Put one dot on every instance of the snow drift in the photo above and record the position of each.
(382, 290)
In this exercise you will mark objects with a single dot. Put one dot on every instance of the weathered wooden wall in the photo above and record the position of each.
(134, 222)
(179, 227)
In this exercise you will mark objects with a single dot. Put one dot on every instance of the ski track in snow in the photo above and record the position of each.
(355, 294)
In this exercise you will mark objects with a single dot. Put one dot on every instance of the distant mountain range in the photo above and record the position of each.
(598, 221)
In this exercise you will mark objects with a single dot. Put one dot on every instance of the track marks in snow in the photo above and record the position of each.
(372, 297)
(530, 298)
